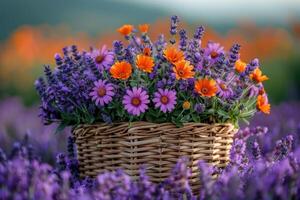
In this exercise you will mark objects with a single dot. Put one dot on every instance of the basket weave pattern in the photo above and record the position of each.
(103, 147)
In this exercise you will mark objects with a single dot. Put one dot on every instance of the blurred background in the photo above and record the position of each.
(32, 31)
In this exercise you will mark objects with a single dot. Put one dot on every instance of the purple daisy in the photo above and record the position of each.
(213, 50)
(102, 92)
(224, 91)
(103, 58)
(165, 100)
(135, 101)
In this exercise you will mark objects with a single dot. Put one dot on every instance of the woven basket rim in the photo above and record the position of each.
(146, 122)
(139, 123)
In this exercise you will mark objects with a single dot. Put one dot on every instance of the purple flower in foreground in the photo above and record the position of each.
(165, 100)
(103, 57)
(178, 181)
(102, 92)
(213, 50)
(135, 101)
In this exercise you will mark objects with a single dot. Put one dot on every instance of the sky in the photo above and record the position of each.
(279, 11)
(93, 16)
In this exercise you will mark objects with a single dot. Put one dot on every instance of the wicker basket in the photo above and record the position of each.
(103, 147)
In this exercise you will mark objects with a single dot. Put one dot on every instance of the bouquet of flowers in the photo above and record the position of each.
(177, 80)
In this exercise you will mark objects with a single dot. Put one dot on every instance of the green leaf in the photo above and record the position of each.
(223, 114)
(211, 111)
(247, 114)
(196, 117)
(245, 121)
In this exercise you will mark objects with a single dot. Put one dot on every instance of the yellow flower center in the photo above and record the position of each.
(180, 72)
(223, 86)
(164, 99)
(204, 90)
(101, 92)
(135, 101)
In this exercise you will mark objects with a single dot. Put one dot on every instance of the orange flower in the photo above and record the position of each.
(206, 87)
(183, 70)
(173, 55)
(257, 76)
(144, 28)
(261, 91)
(147, 51)
(121, 70)
(126, 29)
(240, 66)
(262, 104)
(186, 105)
(144, 63)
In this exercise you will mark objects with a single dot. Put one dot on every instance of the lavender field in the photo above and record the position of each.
(36, 163)
(72, 66)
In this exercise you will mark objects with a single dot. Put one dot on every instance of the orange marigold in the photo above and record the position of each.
(183, 70)
(144, 28)
(173, 55)
(240, 66)
(257, 76)
(126, 29)
(261, 91)
(262, 104)
(144, 63)
(206, 87)
(121, 70)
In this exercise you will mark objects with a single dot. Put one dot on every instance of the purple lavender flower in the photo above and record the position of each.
(183, 40)
(61, 162)
(129, 56)
(103, 58)
(165, 100)
(102, 92)
(199, 108)
(174, 24)
(112, 185)
(250, 68)
(58, 59)
(213, 50)
(106, 118)
(238, 154)
(234, 54)
(283, 147)
(161, 43)
(135, 101)
(143, 188)
(118, 50)
(256, 152)
(199, 33)
(178, 181)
